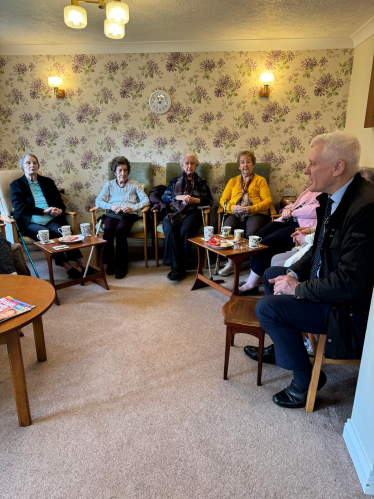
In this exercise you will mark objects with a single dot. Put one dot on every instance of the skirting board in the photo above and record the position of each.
(364, 469)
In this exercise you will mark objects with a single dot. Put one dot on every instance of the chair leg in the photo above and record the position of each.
(156, 239)
(261, 339)
(229, 337)
(145, 251)
(318, 358)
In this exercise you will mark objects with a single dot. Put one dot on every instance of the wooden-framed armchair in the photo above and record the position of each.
(232, 170)
(174, 170)
(142, 173)
(6, 208)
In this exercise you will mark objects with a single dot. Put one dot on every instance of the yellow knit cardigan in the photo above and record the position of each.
(258, 191)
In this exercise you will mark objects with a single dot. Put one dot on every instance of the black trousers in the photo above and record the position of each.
(119, 229)
(177, 247)
(283, 318)
(53, 226)
(277, 236)
(251, 225)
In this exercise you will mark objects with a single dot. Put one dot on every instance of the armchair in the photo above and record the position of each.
(174, 170)
(142, 173)
(6, 209)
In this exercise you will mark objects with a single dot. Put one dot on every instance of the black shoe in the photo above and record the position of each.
(294, 397)
(110, 269)
(253, 291)
(74, 273)
(176, 274)
(120, 273)
(91, 271)
(268, 356)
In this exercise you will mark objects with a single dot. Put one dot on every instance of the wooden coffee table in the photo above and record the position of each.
(35, 292)
(237, 257)
(99, 278)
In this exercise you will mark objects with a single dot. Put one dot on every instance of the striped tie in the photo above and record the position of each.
(317, 260)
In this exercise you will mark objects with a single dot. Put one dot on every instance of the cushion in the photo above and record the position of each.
(141, 172)
(19, 261)
(6, 178)
(262, 169)
(175, 169)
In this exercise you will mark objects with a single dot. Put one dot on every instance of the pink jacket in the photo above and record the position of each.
(304, 209)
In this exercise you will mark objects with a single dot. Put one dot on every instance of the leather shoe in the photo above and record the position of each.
(268, 356)
(120, 273)
(176, 274)
(91, 271)
(294, 397)
(253, 291)
(74, 273)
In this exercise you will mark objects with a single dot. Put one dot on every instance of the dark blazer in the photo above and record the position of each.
(347, 267)
(23, 200)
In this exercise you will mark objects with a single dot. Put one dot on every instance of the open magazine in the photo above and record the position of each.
(10, 308)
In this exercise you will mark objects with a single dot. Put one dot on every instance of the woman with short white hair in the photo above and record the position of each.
(183, 196)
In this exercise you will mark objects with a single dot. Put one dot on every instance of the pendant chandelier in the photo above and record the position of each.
(117, 14)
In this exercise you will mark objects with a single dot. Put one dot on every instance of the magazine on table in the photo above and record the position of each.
(10, 308)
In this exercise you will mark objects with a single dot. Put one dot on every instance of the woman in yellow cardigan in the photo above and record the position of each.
(248, 201)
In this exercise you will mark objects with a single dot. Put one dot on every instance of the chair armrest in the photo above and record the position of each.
(72, 213)
(2, 229)
(272, 210)
(219, 209)
(147, 208)
(207, 211)
(93, 209)
(6, 219)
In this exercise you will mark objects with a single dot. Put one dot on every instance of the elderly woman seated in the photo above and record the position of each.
(248, 200)
(183, 196)
(124, 200)
(38, 206)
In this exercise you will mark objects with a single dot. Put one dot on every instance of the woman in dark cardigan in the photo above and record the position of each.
(38, 206)
(183, 196)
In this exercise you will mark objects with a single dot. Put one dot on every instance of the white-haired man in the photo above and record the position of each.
(329, 289)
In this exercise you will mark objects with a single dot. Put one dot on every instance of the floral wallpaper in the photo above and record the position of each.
(216, 111)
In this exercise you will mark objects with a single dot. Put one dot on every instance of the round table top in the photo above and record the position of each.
(29, 290)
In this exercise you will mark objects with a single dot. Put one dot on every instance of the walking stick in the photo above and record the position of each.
(223, 220)
(202, 208)
(100, 219)
(25, 248)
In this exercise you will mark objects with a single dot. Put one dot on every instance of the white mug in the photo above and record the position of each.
(254, 241)
(43, 235)
(208, 232)
(65, 230)
(238, 234)
(86, 229)
(225, 231)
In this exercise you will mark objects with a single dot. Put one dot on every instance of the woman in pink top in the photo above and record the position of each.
(277, 236)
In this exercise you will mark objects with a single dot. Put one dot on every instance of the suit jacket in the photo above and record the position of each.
(23, 200)
(347, 271)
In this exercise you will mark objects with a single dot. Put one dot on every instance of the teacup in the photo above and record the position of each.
(238, 234)
(225, 231)
(86, 229)
(208, 232)
(43, 236)
(65, 230)
(254, 241)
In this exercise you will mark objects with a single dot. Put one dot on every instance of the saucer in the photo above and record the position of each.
(50, 241)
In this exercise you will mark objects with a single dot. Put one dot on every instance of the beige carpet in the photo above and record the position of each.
(131, 404)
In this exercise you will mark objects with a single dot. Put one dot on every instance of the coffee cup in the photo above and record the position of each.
(225, 231)
(65, 230)
(86, 229)
(208, 232)
(254, 241)
(238, 234)
(43, 236)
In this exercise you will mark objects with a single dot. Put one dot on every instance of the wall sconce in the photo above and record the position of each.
(54, 82)
(266, 78)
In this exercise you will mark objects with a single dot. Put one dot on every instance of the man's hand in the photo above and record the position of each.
(284, 284)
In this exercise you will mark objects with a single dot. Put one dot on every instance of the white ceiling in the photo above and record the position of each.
(40, 22)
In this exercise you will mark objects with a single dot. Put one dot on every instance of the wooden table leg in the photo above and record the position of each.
(41, 352)
(200, 258)
(101, 281)
(51, 278)
(18, 378)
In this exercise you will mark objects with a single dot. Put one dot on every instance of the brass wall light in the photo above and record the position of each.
(266, 79)
(117, 14)
(55, 82)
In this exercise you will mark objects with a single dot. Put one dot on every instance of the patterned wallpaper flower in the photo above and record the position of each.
(216, 111)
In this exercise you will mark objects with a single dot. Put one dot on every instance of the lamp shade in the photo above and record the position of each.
(75, 17)
(114, 30)
(54, 81)
(117, 12)
(267, 78)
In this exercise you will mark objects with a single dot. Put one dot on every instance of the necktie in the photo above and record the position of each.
(317, 260)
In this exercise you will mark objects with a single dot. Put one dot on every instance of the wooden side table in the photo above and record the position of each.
(35, 292)
(239, 317)
(88, 241)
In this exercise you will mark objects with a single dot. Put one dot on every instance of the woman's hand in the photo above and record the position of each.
(115, 208)
(286, 213)
(184, 197)
(242, 210)
(54, 212)
(299, 235)
(127, 210)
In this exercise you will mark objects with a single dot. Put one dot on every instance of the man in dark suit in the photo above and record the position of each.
(329, 289)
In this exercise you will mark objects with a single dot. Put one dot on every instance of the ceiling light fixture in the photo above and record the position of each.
(266, 78)
(117, 14)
